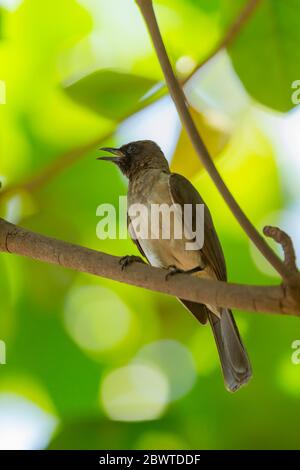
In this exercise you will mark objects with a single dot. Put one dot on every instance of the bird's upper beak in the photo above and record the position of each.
(115, 151)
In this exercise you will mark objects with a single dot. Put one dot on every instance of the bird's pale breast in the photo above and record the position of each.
(162, 252)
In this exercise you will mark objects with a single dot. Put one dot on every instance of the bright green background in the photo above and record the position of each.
(73, 71)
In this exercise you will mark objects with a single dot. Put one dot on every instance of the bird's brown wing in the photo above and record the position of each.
(183, 192)
(233, 356)
(134, 239)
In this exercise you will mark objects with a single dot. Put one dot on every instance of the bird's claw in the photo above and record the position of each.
(128, 260)
(172, 270)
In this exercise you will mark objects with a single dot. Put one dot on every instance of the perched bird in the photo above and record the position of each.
(151, 182)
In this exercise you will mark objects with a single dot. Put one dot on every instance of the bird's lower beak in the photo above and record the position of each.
(118, 154)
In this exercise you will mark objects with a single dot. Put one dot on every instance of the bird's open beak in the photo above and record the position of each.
(118, 154)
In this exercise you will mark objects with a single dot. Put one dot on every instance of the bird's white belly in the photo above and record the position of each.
(159, 250)
(164, 252)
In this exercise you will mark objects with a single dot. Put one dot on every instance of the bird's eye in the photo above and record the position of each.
(131, 149)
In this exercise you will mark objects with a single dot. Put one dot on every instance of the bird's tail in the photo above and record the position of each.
(233, 356)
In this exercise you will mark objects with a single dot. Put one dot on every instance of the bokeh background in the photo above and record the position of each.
(94, 364)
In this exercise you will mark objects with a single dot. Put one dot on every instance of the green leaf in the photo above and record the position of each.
(42, 29)
(112, 94)
(266, 53)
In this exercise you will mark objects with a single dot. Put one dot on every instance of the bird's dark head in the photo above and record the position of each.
(137, 156)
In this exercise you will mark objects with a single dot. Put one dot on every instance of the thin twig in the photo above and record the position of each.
(270, 299)
(286, 243)
(179, 99)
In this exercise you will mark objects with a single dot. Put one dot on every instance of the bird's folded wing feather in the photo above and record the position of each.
(183, 192)
(134, 238)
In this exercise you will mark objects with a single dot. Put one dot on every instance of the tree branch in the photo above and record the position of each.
(67, 159)
(272, 299)
(286, 243)
(179, 99)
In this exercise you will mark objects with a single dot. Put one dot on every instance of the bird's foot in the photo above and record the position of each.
(172, 271)
(128, 260)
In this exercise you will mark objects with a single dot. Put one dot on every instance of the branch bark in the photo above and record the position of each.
(272, 299)
(146, 7)
(286, 243)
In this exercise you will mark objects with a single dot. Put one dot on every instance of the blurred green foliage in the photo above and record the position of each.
(266, 55)
(110, 93)
(75, 344)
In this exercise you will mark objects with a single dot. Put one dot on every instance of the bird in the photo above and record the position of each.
(152, 182)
